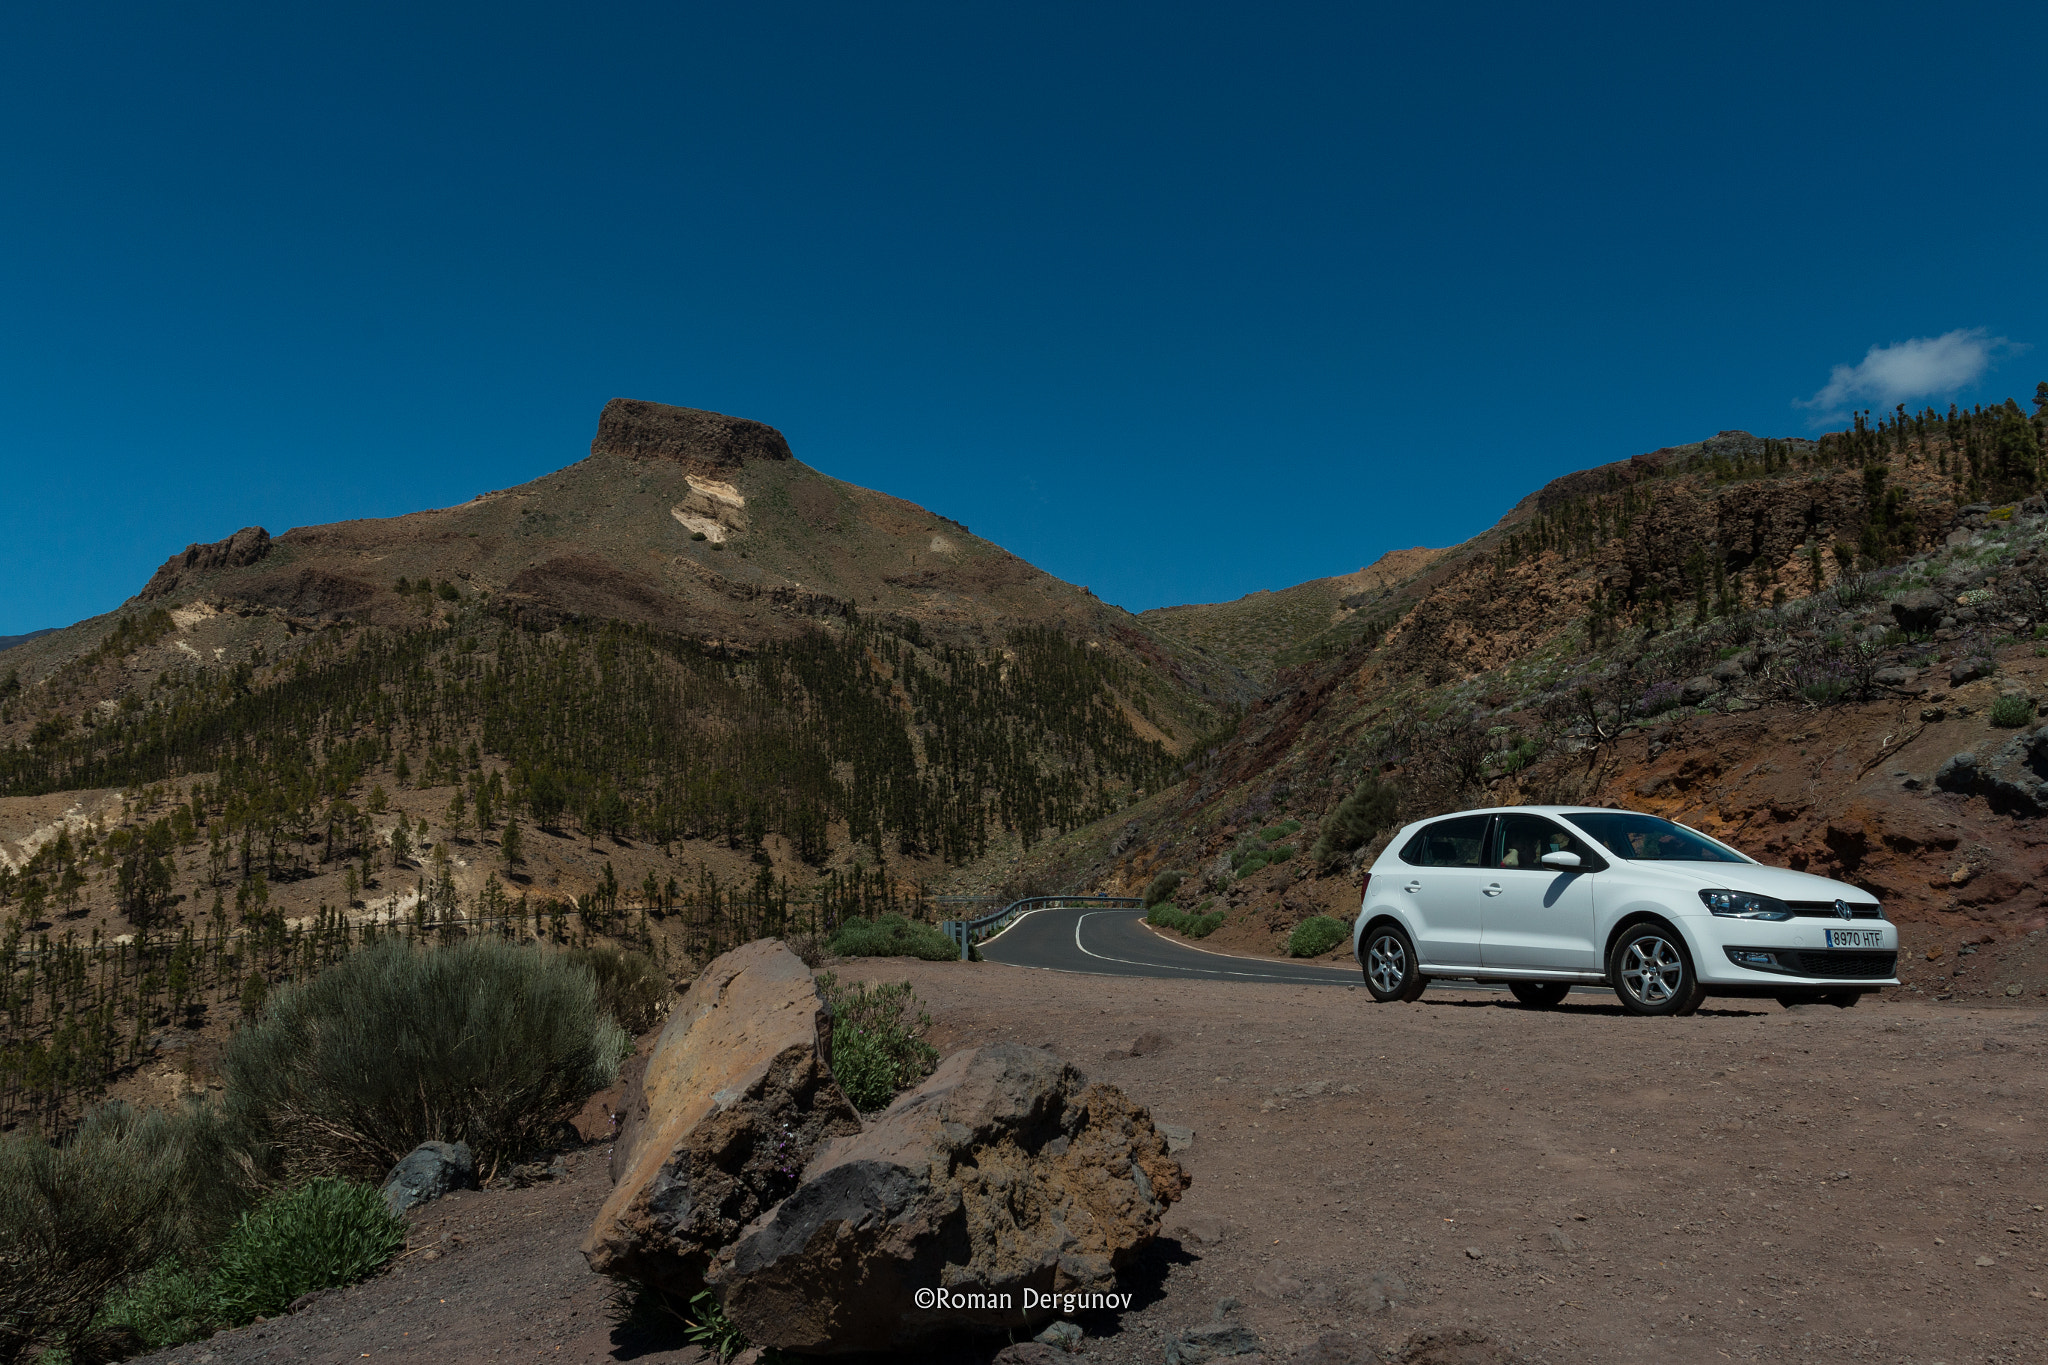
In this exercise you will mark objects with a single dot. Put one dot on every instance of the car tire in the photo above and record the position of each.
(1387, 957)
(1652, 972)
(1541, 995)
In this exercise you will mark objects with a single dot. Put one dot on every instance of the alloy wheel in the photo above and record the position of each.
(1386, 964)
(1652, 969)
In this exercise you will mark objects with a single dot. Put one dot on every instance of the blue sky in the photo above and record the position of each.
(1178, 302)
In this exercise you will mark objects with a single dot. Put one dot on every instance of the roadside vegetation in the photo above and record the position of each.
(878, 1040)
(142, 1230)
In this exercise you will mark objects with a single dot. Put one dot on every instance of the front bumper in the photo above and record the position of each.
(1765, 956)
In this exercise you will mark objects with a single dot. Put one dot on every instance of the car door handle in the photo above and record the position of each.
(1412, 886)
(1493, 889)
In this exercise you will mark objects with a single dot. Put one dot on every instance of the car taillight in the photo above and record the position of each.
(1364, 885)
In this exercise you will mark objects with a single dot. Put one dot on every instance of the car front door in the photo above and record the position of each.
(1445, 888)
(1537, 917)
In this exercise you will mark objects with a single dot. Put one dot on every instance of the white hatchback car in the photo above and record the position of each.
(1545, 897)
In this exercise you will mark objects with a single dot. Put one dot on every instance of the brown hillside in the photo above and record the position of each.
(1652, 633)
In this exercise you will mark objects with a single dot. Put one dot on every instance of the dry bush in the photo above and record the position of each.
(80, 1217)
(484, 1042)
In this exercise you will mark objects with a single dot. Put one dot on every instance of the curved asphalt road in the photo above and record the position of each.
(1117, 943)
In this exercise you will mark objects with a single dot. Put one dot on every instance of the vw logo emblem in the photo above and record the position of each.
(1843, 911)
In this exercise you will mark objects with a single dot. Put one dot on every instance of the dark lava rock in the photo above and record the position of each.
(427, 1172)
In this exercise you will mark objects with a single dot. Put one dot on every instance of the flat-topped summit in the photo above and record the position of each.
(706, 441)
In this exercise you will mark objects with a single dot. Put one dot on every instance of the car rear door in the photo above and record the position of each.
(1537, 917)
(1445, 890)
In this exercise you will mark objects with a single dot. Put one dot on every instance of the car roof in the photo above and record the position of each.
(1536, 810)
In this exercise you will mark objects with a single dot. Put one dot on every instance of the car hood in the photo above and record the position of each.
(1781, 882)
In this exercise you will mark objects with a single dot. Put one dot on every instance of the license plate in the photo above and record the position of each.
(1855, 938)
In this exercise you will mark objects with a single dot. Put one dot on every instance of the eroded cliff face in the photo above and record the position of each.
(709, 443)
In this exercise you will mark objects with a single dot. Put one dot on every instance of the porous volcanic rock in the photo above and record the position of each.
(736, 1095)
(243, 548)
(1005, 1171)
(709, 442)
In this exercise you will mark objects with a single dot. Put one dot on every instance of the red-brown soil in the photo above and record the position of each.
(1579, 1185)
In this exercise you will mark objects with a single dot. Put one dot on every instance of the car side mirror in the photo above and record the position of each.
(1568, 861)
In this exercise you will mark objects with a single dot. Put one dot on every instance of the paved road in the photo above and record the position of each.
(1117, 943)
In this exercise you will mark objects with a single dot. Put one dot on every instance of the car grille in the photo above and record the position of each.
(1827, 908)
(1839, 964)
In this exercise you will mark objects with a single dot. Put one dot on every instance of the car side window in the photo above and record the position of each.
(1522, 841)
(1458, 842)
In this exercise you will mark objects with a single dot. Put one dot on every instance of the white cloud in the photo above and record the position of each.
(1922, 367)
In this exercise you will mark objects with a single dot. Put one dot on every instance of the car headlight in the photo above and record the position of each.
(1745, 905)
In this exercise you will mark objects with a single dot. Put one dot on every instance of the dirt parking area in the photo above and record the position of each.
(1577, 1185)
(1751, 1183)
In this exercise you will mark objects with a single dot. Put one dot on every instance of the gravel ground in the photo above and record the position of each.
(1747, 1184)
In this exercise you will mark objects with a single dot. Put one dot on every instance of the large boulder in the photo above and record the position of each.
(737, 1094)
(1005, 1174)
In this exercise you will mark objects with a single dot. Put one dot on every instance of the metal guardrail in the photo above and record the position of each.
(968, 932)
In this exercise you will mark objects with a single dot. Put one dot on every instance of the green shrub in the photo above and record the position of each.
(1163, 885)
(1279, 831)
(1279, 853)
(77, 1219)
(1372, 806)
(1166, 915)
(878, 1042)
(165, 1306)
(1314, 937)
(629, 986)
(1251, 862)
(327, 1232)
(1170, 916)
(484, 1042)
(2011, 711)
(893, 936)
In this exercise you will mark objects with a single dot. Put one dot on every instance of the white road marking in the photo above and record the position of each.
(1168, 966)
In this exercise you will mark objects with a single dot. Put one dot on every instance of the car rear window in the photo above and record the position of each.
(1458, 842)
(1646, 838)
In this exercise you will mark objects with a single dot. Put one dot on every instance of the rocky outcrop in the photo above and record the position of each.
(306, 594)
(239, 550)
(709, 443)
(736, 1096)
(1006, 1171)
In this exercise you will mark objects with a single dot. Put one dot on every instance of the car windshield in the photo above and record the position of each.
(1645, 838)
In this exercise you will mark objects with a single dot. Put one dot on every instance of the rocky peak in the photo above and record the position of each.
(709, 442)
(244, 547)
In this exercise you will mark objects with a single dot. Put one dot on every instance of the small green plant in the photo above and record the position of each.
(1279, 831)
(1279, 853)
(1314, 937)
(878, 1040)
(327, 1232)
(892, 936)
(1247, 863)
(165, 1306)
(710, 1329)
(2011, 711)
